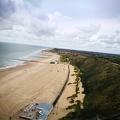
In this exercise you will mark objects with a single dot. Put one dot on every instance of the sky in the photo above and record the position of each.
(91, 25)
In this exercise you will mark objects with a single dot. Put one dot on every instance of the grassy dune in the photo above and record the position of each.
(101, 81)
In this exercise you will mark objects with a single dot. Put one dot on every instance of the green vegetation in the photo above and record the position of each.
(114, 59)
(69, 83)
(76, 105)
(101, 81)
(76, 112)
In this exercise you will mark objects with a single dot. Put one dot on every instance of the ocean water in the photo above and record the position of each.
(12, 54)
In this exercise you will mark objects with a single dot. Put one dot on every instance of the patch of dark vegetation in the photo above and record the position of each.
(76, 112)
(72, 100)
(69, 97)
(69, 83)
(72, 96)
(74, 82)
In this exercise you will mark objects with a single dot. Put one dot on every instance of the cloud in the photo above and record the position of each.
(86, 32)
(21, 21)
(30, 20)
(7, 8)
(85, 9)
(110, 39)
(5, 25)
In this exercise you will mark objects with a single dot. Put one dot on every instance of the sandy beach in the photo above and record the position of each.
(37, 81)
(59, 110)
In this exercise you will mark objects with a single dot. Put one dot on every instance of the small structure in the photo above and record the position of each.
(43, 110)
(29, 112)
(36, 111)
(54, 62)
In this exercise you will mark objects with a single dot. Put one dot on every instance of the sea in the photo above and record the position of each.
(12, 54)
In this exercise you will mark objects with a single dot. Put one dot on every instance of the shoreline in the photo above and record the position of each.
(24, 65)
(28, 58)
(37, 81)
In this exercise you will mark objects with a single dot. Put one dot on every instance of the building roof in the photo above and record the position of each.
(46, 107)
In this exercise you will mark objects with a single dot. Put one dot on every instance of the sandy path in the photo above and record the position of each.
(36, 81)
(59, 110)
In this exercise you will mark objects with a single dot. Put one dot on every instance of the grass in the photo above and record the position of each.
(101, 82)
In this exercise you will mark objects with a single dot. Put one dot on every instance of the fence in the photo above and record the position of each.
(61, 91)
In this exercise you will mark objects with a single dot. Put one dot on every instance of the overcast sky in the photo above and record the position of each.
(92, 25)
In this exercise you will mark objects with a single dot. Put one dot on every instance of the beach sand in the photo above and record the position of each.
(59, 110)
(37, 81)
